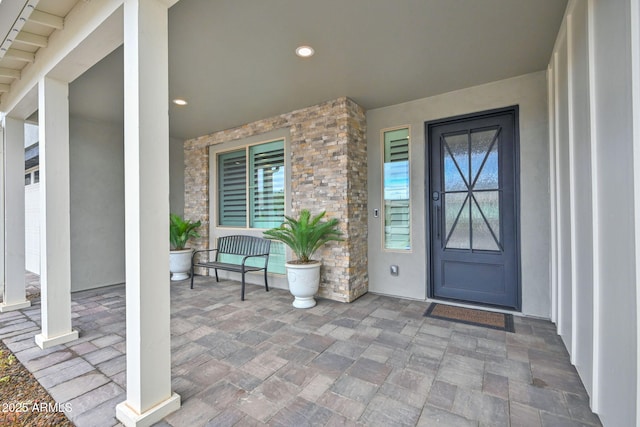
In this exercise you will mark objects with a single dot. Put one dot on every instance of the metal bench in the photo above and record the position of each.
(249, 247)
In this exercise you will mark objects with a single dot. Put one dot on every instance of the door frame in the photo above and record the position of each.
(514, 110)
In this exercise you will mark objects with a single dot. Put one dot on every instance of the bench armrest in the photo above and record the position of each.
(265, 256)
(193, 257)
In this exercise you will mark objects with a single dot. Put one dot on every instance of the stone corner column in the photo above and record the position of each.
(335, 130)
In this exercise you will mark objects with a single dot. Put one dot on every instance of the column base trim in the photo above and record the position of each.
(130, 418)
(15, 306)
(43, 342)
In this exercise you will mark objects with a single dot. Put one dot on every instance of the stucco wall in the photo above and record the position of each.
(32, 227)
(97, 242)
(30, 134)
(96, 156)
(529, 93)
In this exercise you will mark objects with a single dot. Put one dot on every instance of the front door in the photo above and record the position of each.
(473, 209)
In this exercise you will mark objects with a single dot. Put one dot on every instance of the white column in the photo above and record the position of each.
(2, 180)
(14, 295)
(55, 227)
(146, 148)
(635, 97)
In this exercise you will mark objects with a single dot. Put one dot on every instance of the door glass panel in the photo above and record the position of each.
(456, 207)
(484, 149)
(472, 158)
(486, 220)
(456, 162)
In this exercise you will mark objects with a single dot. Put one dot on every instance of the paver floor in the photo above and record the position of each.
(374, 362)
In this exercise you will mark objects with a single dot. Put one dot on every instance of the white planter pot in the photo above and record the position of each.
(180, 264)
(304, 281)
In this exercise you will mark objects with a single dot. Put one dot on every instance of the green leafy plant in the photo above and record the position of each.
(306, 234)
(6, 360)
(181, 230)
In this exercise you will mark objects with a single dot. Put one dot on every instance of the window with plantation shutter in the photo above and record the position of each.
(232, 189)
(266, 201)
(251, 193)
(397, 212)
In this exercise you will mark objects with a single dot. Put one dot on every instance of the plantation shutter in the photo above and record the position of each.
(267, 183)
(397, 231)
(232, 189)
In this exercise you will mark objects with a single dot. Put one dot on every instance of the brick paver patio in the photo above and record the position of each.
(374, 362)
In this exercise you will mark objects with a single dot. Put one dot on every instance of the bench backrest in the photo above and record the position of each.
(243, 245)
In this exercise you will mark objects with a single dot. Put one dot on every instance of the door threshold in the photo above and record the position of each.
(475, 307)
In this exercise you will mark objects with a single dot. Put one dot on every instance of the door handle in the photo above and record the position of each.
(437, 221)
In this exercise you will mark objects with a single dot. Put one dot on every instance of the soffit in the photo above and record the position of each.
(233, 60)
(25, 28)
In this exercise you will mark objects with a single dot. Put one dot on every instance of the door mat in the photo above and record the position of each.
(487, 319)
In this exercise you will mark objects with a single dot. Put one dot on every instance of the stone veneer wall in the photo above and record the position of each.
(328, 172)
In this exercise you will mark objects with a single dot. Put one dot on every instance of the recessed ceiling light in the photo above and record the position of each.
(180, 101)
(304, 51)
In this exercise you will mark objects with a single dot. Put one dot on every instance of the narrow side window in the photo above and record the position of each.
(396, 190)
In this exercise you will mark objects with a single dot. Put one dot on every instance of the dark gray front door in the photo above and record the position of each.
(473, 209)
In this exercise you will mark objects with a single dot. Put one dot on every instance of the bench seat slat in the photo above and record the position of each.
(227, 266)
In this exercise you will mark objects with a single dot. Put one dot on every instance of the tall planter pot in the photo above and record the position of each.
(304, 281)
(180, 264)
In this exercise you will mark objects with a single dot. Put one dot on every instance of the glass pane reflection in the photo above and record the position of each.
(457, 207)
(456, 162)
(487, 202)
(484, 149)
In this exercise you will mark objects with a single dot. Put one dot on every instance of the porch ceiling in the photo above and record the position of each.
(234, 61)
(25, 28)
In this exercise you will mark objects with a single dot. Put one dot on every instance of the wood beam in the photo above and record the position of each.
(32, 39)
(9, 72)
(20, 55)
(47, 19)
(90, 32)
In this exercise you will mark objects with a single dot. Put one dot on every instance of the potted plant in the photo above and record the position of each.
(305, 236)
(180, 231)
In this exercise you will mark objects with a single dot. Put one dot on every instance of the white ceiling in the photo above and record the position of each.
(234, 61)
(25, 27)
